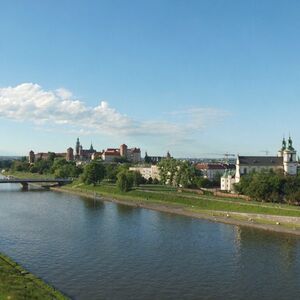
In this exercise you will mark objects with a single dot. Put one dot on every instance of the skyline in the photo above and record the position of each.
(193, 77)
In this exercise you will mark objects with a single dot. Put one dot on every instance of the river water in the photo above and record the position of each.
(101, 250)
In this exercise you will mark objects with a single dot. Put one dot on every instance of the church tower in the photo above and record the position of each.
(283, 147)
(290, 159)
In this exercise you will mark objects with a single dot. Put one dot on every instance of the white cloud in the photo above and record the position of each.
(47, 109)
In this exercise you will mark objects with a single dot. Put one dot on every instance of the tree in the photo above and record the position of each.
(185, 175)
(263, 186)
(62, 168)
(177, 173)
(137, 178)
(121, 160)
(93, 173)
(20, 166)
(43, 166)
(150, 180)
(202, 182)
(167, 170)
(51, 156)
(155, 181)
(111, 172)
(124, 181)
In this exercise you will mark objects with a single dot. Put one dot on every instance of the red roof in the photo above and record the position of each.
(210, 166)
(112, 153)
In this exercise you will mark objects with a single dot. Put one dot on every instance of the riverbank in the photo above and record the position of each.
(18, 283)
(288, 221)
(238, 211)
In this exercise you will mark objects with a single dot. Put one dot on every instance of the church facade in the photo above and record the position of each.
(285, 160)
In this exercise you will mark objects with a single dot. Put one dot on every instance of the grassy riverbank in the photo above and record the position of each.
(159, 194)
(17, 283)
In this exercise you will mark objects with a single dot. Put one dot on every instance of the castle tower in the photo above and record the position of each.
(77, 147)
(31, 157)
(290, 159)
(70, 154)
(123, 150)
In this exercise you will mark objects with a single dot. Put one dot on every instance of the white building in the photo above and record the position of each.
(228, 180)
(147, 172)
(211, 170)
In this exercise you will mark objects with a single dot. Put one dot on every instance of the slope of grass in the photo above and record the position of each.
(201, 202)
(17, 283)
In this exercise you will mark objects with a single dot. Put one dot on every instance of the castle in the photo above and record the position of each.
(85, 155)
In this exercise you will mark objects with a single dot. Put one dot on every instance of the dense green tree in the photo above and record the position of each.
(124, 181)
(137, 178)
(202, 182)
(63, 169)
(43, 166)
(121, 160)
(51, 156)
(150, 180)
(93, 173)
(167, 170)
(5, 164)
(267, 186)
(177, 173)
(20, 166)
(185, 175)
(111, 172)
(155, 181)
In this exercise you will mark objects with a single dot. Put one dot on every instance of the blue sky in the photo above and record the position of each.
(193, 77)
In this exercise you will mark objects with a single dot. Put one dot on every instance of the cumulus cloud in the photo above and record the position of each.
(30, 102)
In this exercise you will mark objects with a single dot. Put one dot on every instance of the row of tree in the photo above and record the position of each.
(92, 173)
(58, 167)
(270, 186)
(96, 171)
(172, 172)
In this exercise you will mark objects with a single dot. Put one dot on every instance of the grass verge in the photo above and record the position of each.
(210, 203)
(17, 283)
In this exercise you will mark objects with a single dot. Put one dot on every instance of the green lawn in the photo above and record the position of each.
(17, 283)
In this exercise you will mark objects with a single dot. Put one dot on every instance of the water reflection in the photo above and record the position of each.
(92, 204)
(125, 209)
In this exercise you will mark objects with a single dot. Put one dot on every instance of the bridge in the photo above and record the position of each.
(26, 182)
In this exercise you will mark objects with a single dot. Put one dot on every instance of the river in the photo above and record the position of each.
(102, 250)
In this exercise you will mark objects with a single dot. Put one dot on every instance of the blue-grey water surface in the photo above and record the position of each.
(96, 250)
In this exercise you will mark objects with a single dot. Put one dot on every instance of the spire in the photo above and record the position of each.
(91, 147)
(283, 144)
(290, 144)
